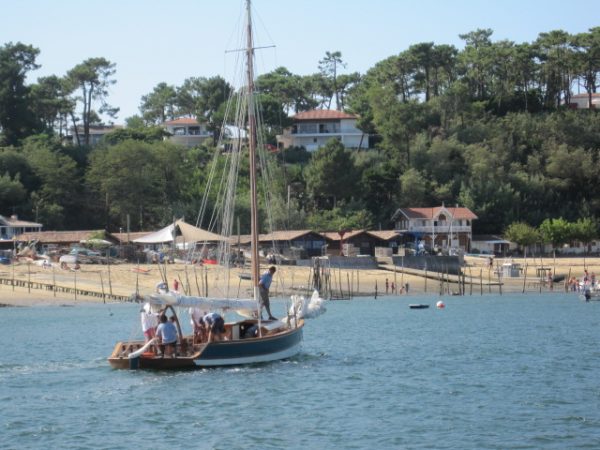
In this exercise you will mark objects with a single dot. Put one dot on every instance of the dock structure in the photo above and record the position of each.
(49, 287)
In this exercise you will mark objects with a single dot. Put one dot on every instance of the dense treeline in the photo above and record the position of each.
(487, 127)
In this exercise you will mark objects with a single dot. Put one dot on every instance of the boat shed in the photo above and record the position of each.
(491, 244)
(354, 242)
(293, 244)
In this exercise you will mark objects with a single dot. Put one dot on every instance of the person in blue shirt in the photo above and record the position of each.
(216, 326)
(167, 332)
(263, 288)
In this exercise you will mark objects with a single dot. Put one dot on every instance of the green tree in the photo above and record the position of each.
(585, 230)
(413, 188)
(555, 232)
(339, 218)
(93, 77)
(329, 66)
(523, 234)
(555, 56)
(51, 103)
(146, 180)
(17, 120)
(12, 192)
(587, 60)
(159, 105)
(59, 187)
(330, 175)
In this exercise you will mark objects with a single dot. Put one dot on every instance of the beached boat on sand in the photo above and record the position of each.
(249, 339)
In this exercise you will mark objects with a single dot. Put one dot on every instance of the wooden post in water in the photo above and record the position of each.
(187, 280)
(357, 281)
(425, 288)
(102, 284)
(524, 278)
(402, 275)
(109, 277)
(54, 281)
(481, 281)
(183, 288)
(205, 282)
(395, 279)
(470, 282)
(499, 283)
(13, 271)
(137, 280)
(340, 281)
(75, 282)
(490, 279)
(567, 280)
(348, 284)
(196, 278)
(29, 277)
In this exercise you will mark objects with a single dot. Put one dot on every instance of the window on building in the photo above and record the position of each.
(179, 131)
(307, 128)
(194, 131)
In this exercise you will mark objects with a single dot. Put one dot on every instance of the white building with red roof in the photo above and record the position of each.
(438, 227)
(312, 129)
(187, 131)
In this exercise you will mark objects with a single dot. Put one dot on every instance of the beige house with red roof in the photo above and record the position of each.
(312, 129)
(187, 131)
(582, 101)
(439, 227)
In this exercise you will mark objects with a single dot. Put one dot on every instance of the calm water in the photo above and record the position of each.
(485, 373)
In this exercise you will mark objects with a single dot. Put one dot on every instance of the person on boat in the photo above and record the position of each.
(149, 321)
(167, 333)
(215, 324)
(196, 318)
(161, 287)
(263, 288)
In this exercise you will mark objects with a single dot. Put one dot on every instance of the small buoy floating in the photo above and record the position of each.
(440, 305)
(418, 306)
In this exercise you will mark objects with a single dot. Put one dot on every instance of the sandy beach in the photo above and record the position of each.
(125, 279)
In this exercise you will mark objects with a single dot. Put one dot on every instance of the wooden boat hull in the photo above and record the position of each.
(272, 347)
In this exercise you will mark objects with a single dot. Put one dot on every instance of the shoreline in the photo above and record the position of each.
(123, 279)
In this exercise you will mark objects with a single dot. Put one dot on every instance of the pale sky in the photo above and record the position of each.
(153, 41)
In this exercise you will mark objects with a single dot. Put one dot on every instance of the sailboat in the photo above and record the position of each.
(247, 340)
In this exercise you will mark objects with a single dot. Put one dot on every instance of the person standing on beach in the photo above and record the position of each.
(263, 289)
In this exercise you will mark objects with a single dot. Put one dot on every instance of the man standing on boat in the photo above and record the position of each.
(263, 288)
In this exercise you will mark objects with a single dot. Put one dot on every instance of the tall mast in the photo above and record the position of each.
(252, 152)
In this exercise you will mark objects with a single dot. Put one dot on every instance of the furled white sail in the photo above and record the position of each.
(205, 303)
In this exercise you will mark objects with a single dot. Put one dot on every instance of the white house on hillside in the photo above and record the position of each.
(312, 129)
(582, 101)
(187, 131)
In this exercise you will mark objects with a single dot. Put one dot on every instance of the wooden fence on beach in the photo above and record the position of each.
(71, 291)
